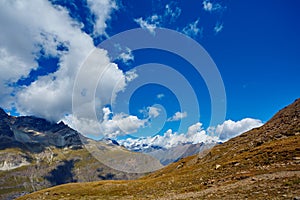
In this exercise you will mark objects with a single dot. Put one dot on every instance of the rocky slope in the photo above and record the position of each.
(36, 154)
(263, 163)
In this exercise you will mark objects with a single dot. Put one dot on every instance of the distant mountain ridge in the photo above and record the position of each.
(173, 154)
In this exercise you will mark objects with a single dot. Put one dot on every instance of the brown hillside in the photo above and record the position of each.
(263, 163)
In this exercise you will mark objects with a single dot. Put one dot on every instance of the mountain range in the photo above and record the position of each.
(36, 154)
(172, 154)
(38, 151)
(263, 163)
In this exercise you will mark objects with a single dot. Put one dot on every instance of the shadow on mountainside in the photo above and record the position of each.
(62, 174)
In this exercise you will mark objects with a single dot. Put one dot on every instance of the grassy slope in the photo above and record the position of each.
(32, 177)
(260, 164)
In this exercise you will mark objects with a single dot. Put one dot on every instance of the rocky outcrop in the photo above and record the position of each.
(36, 132)
(9, 161)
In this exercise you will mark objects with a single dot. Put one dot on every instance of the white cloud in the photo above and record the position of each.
(50, 96)
(150, 112)
(131, 75)
(150, 23)
(218, 27)
(102, 10)
(209, 6)
(126, 56)
(230, 129)
(177, 116)
(32, 26)
(192, 29)
(120, 124)
(153, 112)
(29, 27)
(87, 126)
(20, 40)
(107, 123)
(12, 68)
(195, 134)
(110, 125)
(171, 13)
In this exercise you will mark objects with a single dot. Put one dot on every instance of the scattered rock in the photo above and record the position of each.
(179, 166)
(217, 167)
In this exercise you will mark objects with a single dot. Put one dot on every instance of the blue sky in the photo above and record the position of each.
(254, 44)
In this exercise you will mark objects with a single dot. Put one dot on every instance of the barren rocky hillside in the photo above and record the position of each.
(263, 163)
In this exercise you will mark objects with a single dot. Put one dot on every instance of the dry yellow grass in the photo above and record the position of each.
(260, 164)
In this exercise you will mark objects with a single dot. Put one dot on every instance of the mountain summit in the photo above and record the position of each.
(263, 163)
(35, 134)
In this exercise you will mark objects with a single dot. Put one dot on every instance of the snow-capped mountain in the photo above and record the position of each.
(170, 147)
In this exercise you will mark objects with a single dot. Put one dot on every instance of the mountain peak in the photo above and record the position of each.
(285, 122)
(288, 114)
(2, 113)
(28, 130)
(4, 127)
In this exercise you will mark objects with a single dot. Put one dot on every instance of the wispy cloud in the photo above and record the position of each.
(170, 15)
(172, 12)
(193, 30)
(150, 23)
(218, 27)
